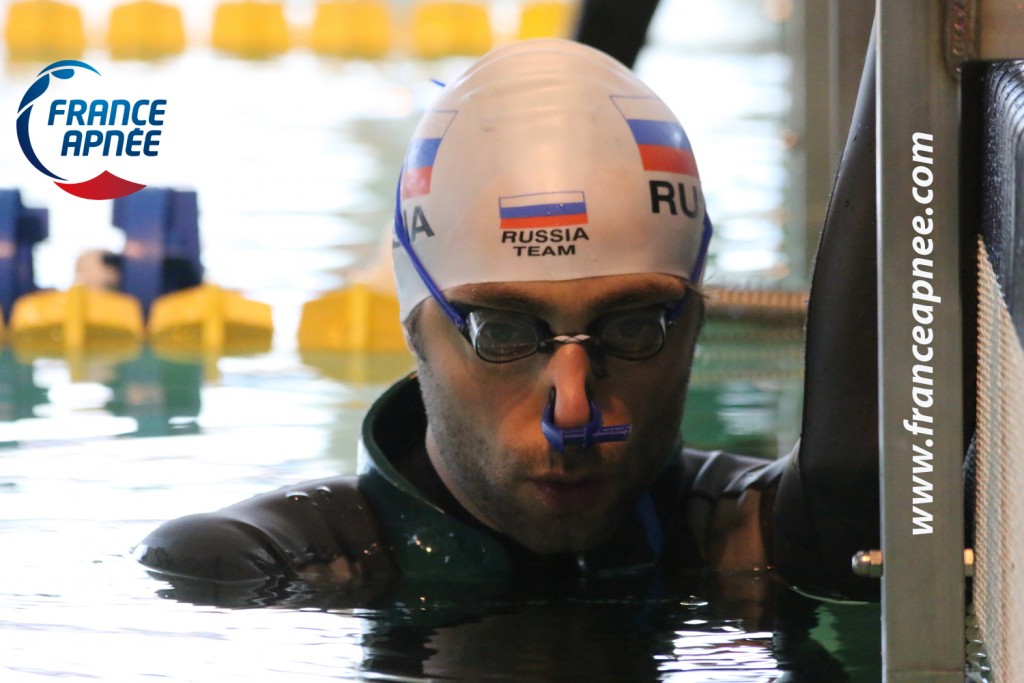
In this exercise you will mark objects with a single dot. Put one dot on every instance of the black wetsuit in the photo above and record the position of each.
(397, 517)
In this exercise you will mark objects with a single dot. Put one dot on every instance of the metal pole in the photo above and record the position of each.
(809, 164)
(849, 29)
(920, 348)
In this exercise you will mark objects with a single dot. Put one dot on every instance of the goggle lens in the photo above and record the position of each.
(503, 336)
(633, 335)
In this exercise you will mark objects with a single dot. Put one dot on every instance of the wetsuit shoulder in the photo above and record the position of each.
(321, 530)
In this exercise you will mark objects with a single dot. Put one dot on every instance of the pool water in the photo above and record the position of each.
(74, 604)
(294, 161)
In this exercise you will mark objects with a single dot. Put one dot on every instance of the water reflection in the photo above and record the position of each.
(138, 394)
(163, 396)
(19, 394)
(743, 627)
(744, 395)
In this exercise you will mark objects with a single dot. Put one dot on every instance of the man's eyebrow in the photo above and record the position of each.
(496, 296)
(510, 298)
(646, 293)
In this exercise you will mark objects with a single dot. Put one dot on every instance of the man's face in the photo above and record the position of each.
(484, 420)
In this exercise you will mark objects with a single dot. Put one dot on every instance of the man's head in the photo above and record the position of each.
(549, 224)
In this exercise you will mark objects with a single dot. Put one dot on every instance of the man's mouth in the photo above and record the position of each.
(567, 495)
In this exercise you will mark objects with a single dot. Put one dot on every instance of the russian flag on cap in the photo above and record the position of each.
(419, 161)
(661, 141)
(543, 210)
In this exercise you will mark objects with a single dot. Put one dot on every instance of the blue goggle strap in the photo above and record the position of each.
(402, 235)
(702, 253)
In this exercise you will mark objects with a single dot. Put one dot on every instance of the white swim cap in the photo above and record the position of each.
(547, 160)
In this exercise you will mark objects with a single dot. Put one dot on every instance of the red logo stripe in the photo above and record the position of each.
(104, 186)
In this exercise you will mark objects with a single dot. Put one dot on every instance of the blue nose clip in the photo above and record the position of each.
(591, 433)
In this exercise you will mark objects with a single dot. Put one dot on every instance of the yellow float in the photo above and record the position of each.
(80, 319)
(251, 29)
(353, 335)
(447, 28)
(547, 19)
(44, 30)
(352, 28)
(145, 30)
(209, 320)
(357, 318)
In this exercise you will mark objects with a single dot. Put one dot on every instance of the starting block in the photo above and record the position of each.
(161, 251)
(162, 269)
(20, 229)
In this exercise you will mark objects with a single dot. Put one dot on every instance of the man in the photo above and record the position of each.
(550, 240)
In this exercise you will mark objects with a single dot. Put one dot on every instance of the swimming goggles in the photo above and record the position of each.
(501, 336)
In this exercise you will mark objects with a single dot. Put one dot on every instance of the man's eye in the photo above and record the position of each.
(631, 327)
(503, 333)
(632, 333)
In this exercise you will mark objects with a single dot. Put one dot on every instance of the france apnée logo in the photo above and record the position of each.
(75, 134)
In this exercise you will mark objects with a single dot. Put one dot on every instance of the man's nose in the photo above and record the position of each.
(569, 372)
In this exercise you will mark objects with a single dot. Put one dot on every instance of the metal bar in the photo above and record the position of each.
(849, 29)
(826, 79)
(920, 347)
(809, 164)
